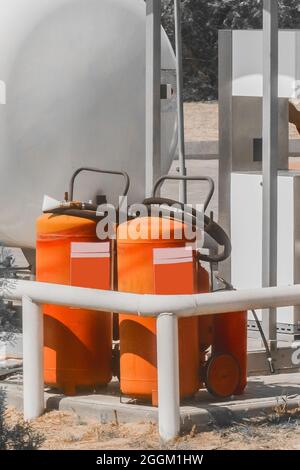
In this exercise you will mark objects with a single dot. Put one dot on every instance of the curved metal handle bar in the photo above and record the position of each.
(104, 172)
(214, 230)
(209, 180)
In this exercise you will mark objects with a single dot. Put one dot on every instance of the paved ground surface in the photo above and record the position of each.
(263, 394)
(201, 122)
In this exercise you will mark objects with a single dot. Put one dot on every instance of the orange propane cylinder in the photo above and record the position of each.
(230, 342)
(78, 343)
(138, 272)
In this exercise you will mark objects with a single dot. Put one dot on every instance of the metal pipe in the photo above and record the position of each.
(168, 376)
(153, 84)
(33, 359)
(153, 305)
(180, 110)
(270, 160)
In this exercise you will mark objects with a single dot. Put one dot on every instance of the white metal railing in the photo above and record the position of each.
(166, 309)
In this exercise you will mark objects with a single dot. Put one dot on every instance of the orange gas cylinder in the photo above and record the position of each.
(230, 343)
(139, 273)
(78, 343)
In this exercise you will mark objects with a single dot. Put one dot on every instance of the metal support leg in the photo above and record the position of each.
(225, 139)
(33, 363)
(270, 160)
(153, 102)
(168, 376)
(179, 75)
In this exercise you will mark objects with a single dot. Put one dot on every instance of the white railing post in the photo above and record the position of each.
(33, 360)
(168, 376)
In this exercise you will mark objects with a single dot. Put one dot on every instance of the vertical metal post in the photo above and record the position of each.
(180, 110)
(153, 93)
(270, 159)
(33, 360)
(168, 376)
(225, 138)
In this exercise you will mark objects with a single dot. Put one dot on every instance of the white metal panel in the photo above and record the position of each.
(247, 66)
(246, 234)
(246, 230)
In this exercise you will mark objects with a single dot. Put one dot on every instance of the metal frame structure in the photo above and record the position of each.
(270, 153)
(179, 77)
(225, 136)
(153, 95)
(270, 160)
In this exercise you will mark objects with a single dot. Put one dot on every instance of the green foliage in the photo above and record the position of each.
(20, 436)
(201, 20)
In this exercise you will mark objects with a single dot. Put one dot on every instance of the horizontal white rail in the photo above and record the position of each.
(154, 305)
(33, 294)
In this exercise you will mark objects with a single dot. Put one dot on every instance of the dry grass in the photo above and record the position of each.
(64, 430)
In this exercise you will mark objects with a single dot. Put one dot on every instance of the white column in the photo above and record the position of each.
(153, 102)
(180, 111)
(270, 159)
(33, 361)
(168, 376)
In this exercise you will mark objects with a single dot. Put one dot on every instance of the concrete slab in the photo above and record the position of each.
(263, 396)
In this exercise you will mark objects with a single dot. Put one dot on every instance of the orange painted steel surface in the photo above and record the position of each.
(230, 337)
(137, 273)
(206, 323)
(222, 375)
(78, 343)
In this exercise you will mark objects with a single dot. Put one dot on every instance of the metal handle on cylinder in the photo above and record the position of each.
(104, 172)
(209, 180)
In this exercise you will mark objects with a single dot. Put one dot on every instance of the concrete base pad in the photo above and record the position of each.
(263, 396)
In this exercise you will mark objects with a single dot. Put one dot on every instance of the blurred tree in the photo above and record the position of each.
(201, 20)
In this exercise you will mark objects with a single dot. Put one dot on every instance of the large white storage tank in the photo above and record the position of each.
(75, 95)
